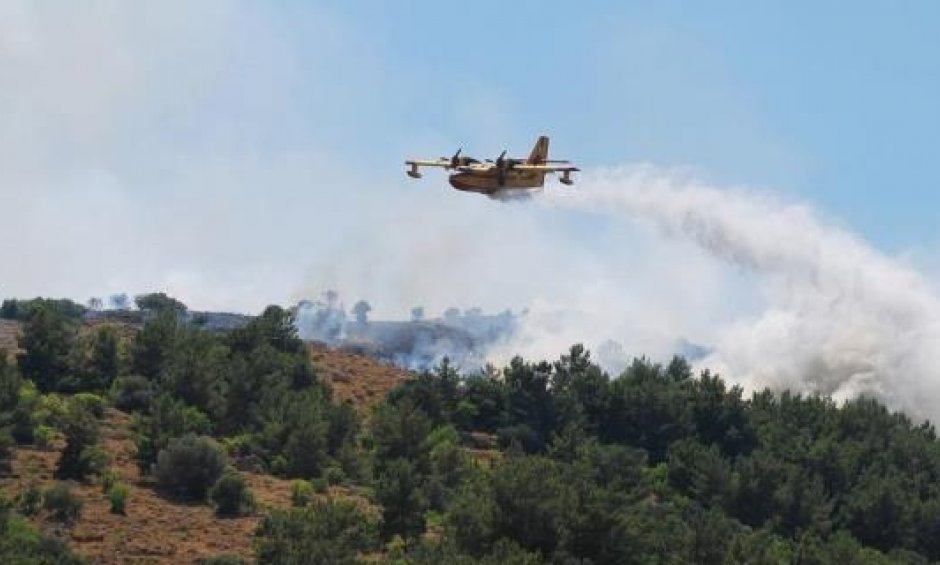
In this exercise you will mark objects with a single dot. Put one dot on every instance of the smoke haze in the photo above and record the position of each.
(834, 315)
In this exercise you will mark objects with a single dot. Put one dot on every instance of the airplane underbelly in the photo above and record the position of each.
(490, 182)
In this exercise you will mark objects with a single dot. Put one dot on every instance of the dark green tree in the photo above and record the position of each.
(159, 302)
(196, 372)
(23, 310)
(580, 390)
(324, 533)
(880, 512)
(105, 361)
(154, 345)
(648, 408)
(400, 431)
(10, 383)
(169, 419)
(81, 457)
(274, 327)
(531, 410)
(699, 472)
(399, 490)
(471, 518)
(46, 340)
(529, 492)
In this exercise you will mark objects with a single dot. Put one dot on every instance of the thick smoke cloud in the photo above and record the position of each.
(836, 316)
(418, 344)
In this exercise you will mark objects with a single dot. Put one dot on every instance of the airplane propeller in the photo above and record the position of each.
(501, 160)
(501, 169)
(455, 160)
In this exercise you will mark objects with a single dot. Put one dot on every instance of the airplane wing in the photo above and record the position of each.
(475, 167)
(565, 171)
(445, 163)
(424, 163)
(546, 168)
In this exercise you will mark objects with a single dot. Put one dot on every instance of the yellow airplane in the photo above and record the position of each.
(491, 176)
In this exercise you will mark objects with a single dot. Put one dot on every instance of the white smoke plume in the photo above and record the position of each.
(838, 317)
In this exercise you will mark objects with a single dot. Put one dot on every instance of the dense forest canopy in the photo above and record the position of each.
(539, 461)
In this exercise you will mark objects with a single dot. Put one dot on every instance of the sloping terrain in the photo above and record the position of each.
(357, 378)
(154, 529)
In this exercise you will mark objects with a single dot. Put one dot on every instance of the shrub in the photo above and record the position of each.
(237, 446)
(63, 505)
(333, 475)
(6, 450)
(279, 466)
(108, 479)
(325, 532)
(23, 424)
(89, 402)
(170, 418)
(117, 495)
(20, 542)
(98, 459)
(189, 466)
(10, 383)
(132, 393)
(50, 409)
(80, 457)
(30, 501)
(231, 496)
(43, 436)
(319, 485)
(301, 493)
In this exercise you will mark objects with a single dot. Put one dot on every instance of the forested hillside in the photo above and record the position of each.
(536, 462)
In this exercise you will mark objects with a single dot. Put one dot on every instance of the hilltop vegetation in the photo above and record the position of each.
(554, 462)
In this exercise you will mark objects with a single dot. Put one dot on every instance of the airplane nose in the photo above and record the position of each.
(457, 182)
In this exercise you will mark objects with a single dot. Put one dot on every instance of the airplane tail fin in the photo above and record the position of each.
(539, 152)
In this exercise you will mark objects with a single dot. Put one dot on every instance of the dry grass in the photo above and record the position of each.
(125, 332)
(155, 529)
(362, 380)
(9, 329)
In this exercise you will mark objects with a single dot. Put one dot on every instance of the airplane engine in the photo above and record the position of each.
(566, 179)
(413, 172)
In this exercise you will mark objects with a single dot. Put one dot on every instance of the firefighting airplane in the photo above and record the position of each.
(504, 173)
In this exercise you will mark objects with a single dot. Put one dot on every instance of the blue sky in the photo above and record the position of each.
(835, 103)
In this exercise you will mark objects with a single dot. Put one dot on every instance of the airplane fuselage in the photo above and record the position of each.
(488, 182)
(494, 176)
